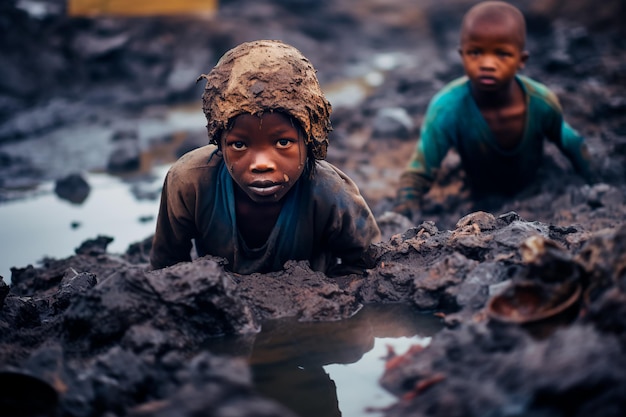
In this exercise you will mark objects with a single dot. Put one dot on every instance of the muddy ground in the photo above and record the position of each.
(105, 337)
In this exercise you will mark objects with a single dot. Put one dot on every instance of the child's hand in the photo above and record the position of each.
(412, 186)
(409, 208)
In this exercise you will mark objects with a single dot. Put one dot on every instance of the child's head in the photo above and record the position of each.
(493, 37)
(263, 77)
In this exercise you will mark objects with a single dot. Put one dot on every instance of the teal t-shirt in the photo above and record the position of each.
(454, 120)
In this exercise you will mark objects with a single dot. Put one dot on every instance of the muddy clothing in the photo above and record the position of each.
(323, 218)
(454, 120)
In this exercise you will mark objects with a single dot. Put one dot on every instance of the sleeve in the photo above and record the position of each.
(430, 149)
(350, 231)
(572, 144)
(171, 243)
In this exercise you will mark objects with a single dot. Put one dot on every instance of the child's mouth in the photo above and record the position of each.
(265, 189)
(487, 80)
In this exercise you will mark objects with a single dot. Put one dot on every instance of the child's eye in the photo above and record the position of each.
(238, 145)
(283, 143)
(473, 52)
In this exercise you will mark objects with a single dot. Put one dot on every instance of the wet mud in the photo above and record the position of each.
(531, 290)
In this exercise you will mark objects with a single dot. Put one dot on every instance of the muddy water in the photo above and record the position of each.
(44, 225)
(40, 224)
(332, 368)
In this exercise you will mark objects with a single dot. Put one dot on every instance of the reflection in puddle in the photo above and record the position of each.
(331, 368)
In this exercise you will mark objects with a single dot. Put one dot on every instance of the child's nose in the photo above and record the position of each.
(488, 62)
(262, 162)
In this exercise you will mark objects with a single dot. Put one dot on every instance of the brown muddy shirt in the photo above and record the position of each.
(323, 219)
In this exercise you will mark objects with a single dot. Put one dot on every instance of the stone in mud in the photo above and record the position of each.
(73, 188)
(126, 153)
(73, 284)
(94, 247)
(392, 122)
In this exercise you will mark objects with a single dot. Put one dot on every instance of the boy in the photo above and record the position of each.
(263, 195)
(495, 118)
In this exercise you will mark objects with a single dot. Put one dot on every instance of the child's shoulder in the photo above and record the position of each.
(199, 157)
(330, 179)
(195, 164)
(452, 92)
(450, 101)
(539, 91)
(450, 97)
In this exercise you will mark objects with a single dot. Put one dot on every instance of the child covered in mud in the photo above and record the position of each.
(495, 118)
(260, 193)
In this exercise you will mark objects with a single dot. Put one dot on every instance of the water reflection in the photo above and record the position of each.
(331, 368)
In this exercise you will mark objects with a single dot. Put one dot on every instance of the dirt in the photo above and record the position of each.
(111, 338)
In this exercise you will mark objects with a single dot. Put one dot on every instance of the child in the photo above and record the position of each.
(495, 118)
(263, 195)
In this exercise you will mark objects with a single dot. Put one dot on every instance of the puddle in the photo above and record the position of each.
(46, 225)
(39, 224)
(332, 368)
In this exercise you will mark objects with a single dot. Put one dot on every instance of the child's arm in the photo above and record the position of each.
(352, 233)
(556, 129)
(413, 184)
(171, 243)
(349, 227)
(418, 177)
(572, 144)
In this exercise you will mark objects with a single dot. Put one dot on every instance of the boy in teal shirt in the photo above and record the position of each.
(495, 118)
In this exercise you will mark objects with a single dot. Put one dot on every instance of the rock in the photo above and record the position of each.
(73, 188)
(392, 122)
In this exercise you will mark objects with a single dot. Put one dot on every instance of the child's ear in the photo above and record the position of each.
(523, 59)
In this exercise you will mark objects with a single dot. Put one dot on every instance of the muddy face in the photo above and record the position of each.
(265, 155)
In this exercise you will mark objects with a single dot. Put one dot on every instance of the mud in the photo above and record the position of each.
(264, 84)
(111, 338)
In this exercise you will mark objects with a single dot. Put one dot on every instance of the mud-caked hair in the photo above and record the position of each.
(267, 76)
